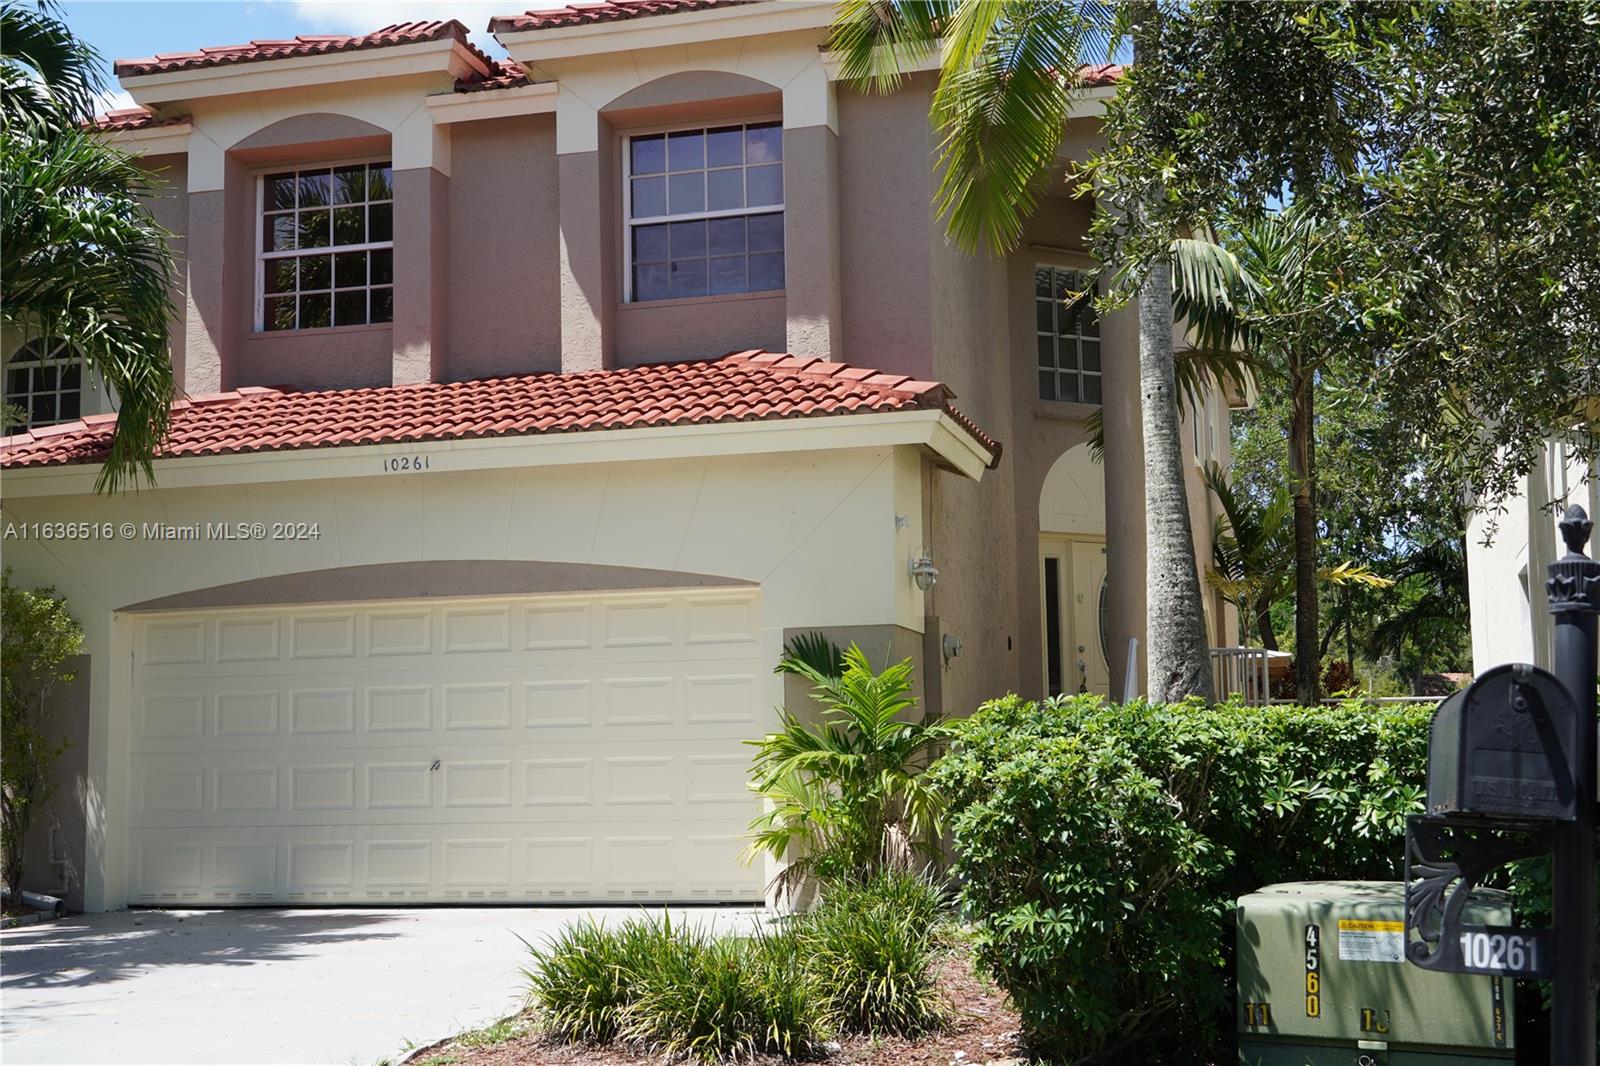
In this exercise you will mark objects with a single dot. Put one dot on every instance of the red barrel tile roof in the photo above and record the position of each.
(583, 14)
(1100, 75)
(134, 118)
(303, 45)
(503, 74)
(743, 387)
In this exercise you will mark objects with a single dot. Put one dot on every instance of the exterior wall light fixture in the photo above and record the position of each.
(923, 572)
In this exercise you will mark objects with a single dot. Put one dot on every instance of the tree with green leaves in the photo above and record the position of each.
(38, 637)
(81, 256)
(1009, 76)
(1457, 145)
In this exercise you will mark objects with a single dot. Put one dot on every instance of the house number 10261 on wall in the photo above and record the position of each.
(396, 464)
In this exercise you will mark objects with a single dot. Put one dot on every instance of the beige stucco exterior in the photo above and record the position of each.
(509, 260)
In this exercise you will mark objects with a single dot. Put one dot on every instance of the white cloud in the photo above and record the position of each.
(113, 100)
(363, 16)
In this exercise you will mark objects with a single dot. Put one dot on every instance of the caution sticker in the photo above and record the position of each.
(1361, 940)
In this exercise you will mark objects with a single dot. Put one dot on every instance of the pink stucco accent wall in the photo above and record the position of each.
(504, 281)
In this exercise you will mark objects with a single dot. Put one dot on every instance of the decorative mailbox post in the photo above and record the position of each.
(1511, 775)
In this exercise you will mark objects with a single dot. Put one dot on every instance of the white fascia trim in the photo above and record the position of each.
(1092, 102)
(833, 63)
(657, 31)
(446, 56)
(934, 430)
(536, 99)
(153, 140)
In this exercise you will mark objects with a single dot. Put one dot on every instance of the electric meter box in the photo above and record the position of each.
(1324, 981)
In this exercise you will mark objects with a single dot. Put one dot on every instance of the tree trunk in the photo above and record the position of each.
(1263, 609)
(1302, 464)
(1179, 659)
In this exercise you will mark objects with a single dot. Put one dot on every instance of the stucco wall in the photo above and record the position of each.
(504, 282)
(53, 858)
(169, 203)
(338, 358)
(973, 523)
(1509, 546)
(699, 328)
(885, 188)
(815, 530)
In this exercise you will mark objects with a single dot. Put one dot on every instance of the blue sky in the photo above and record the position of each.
(125, 29)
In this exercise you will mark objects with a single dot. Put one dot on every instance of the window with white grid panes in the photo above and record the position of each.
(45, 379)
(326, 247)
(704, 211)
(1066, 335)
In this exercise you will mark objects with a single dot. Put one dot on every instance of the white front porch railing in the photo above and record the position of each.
(1245, 672)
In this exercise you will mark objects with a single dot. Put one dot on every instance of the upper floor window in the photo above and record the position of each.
(705, 211)
(327, 247)
(44, 378)
(1068, 335)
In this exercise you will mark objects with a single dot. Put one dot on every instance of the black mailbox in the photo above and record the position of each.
(1504, 746)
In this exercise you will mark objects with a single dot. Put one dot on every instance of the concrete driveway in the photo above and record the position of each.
(269, 986)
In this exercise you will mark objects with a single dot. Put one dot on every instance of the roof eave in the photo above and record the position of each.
(445, 57)
(932, 429)
(664, 30)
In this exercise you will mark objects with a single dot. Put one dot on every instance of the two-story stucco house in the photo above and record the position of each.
(531, 406)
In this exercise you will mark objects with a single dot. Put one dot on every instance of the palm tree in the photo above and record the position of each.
(1253, 556)
(81, 257)
(847, 797)
(1007, 83)
(1250, 552)
(1287, 294)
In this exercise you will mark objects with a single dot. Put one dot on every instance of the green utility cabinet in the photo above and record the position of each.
(1323, 981)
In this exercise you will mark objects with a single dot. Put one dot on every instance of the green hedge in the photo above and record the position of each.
(1101, 848)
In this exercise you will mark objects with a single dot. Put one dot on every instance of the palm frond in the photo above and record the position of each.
(48, 77)
(83, 259)
(1353, 573)
(878, 40)
(814, 650)
(1007, 85)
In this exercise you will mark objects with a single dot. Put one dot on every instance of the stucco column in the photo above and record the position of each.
(1124, 472)
(588, 210)
(811, 268)
(421, 272)
(211, 324)
(811, 242)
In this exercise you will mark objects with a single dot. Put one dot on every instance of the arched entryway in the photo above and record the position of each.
(1074, 591)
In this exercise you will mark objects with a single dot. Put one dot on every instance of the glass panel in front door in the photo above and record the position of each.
(1090, 672)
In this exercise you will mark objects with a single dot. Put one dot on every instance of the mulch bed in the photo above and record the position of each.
(983, 1029)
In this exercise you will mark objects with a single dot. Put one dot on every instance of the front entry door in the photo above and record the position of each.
(1074, 609)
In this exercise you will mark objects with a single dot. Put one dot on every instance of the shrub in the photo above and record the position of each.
(872, 946)
(862, 961)
(725, 998)
(848, 796)
(1101, 848)
(585, 975)
(38, 635)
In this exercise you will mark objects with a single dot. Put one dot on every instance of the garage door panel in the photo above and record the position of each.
(536, 748)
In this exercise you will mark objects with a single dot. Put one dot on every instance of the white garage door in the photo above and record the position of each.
(527, 749)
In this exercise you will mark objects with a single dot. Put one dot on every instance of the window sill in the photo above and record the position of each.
(1064, 410)
(698, 301)
(322, 331)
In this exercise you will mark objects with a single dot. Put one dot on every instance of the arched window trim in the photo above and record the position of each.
(45, 377)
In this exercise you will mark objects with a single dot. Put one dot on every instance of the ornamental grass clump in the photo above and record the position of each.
(717, 999)
(581, 980)
(861, 962)
(873, 948)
